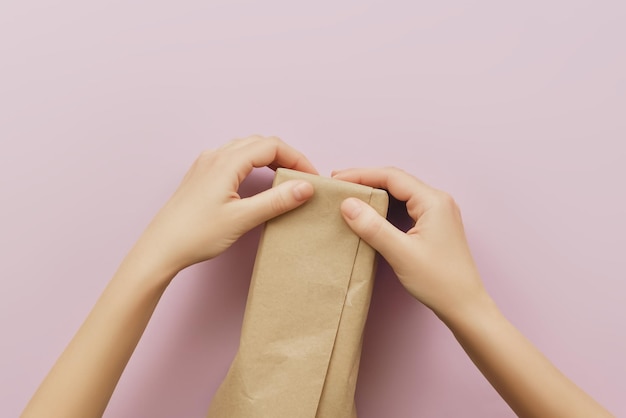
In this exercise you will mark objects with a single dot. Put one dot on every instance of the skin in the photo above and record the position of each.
(433, 262)
(203, 218)
(206, 215)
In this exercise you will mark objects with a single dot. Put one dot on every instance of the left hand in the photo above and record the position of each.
(206, 214)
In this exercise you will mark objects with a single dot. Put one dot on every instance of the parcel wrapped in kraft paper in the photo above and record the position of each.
(307, 305)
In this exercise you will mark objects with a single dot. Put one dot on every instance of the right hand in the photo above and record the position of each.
(432, 260)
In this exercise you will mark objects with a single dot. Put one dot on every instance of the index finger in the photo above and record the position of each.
(403, 186)
(271, 152)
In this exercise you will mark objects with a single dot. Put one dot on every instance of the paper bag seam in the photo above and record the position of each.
(356, 253)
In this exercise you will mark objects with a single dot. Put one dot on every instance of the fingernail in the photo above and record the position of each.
(351, 207)
(302, 191)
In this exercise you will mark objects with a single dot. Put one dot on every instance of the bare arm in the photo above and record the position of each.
(83, 378)
(523, 376)
(434, 263)
(203, 218)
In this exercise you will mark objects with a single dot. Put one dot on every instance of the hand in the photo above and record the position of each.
(206, 215)
(203, 218)
(432, 260)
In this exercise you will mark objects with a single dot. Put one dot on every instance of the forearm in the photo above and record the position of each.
(202, 219)
(83, 379)
(524, 377)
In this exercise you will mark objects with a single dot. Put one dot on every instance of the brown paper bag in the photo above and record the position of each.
(307, 305)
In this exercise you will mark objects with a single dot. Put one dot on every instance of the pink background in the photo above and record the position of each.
(517, 109)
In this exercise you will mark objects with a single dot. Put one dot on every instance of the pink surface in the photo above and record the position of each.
(518, 110)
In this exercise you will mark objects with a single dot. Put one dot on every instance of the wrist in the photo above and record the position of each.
(146, 265)
(472, 309)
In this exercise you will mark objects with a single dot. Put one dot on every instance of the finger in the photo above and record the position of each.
(403, 186)
(275, 201)
(399, 182)
(374, 229)
(240, 142)
(272, 151)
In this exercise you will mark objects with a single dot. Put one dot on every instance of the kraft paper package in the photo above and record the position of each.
(308, 301)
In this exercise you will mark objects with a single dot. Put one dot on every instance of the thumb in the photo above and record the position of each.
(275, 201)
(373, 229)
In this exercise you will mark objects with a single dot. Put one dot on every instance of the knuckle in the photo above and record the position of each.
(447, 201)
(395, 169)
(255, 137)
(232, 142)
(273, 140)
(392, 172)
(207, 155)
